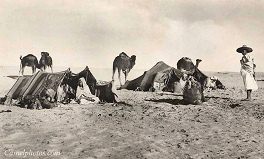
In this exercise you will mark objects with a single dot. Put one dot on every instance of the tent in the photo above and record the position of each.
(159, 73)
(43, 83)
(18, 87)
(34, 85)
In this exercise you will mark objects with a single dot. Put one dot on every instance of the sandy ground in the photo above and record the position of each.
(143, 125)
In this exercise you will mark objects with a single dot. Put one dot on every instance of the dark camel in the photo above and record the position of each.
(45, 61)
(125, 63)
(186, 65)
(30, 61)
(195, 80)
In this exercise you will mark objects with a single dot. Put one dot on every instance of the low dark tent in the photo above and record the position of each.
(145, 81)
(102, 90)
(133, 84)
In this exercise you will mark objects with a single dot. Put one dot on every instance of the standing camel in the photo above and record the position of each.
(45, 61)
(30, 61)
(125, 63)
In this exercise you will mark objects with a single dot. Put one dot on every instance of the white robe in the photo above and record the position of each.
(249, 81)
(61, 93)
(85, 92)
(247, 70)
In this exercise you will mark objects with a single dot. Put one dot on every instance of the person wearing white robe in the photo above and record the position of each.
(247, 71)
(83, 93)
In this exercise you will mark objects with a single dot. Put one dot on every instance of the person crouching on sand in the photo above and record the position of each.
(247, 70)
(83, 92)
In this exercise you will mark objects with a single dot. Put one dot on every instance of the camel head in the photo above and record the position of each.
(197, 62)
(133, 60)
(45, 54)
(86, 68)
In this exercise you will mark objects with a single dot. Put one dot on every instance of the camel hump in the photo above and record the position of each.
(28, 56)
(123, 55)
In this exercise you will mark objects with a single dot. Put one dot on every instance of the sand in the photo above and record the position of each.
(143, 125)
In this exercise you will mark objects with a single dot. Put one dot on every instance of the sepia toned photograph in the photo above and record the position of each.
(131, 79)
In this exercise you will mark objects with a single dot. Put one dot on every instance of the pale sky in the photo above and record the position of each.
(93, 32)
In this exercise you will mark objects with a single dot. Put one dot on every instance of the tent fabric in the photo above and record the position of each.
(41, 82)
(145, 81)
(47, 84)
(85, 90)
(17, 88)
(133, 84)
(35, 85)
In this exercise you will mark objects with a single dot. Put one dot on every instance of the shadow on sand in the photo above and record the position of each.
(180, 101)
(209, 97)
(170, 101)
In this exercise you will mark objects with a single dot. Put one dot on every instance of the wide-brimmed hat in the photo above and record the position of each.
(244, 47)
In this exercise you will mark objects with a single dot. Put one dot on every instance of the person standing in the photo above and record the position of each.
(248, 70)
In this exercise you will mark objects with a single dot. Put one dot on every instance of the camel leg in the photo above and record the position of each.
(33, 69)
(125, 76)
(113, 76)
(119, 77)
(22, 71)
(51, 69)
(44, 67)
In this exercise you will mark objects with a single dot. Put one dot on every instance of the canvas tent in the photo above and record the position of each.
(41, 83)
(34, 85)
(158, 74)
(18, 87)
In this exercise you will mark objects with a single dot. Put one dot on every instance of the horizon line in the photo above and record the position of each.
(111, 68)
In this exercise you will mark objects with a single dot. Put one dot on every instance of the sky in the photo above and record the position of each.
(93, 32)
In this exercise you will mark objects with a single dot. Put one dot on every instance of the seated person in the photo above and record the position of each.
(83, 92)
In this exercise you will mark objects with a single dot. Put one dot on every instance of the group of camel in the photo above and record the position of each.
(196, 81)
(121, 62)
(125, 63)
(32, 61)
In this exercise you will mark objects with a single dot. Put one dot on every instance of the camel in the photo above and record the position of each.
(199, 81)
(186, 65)
(30, 61)
(193, 92)
(195, 77)
(45, 61)
(125, 63)
(197, 62)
